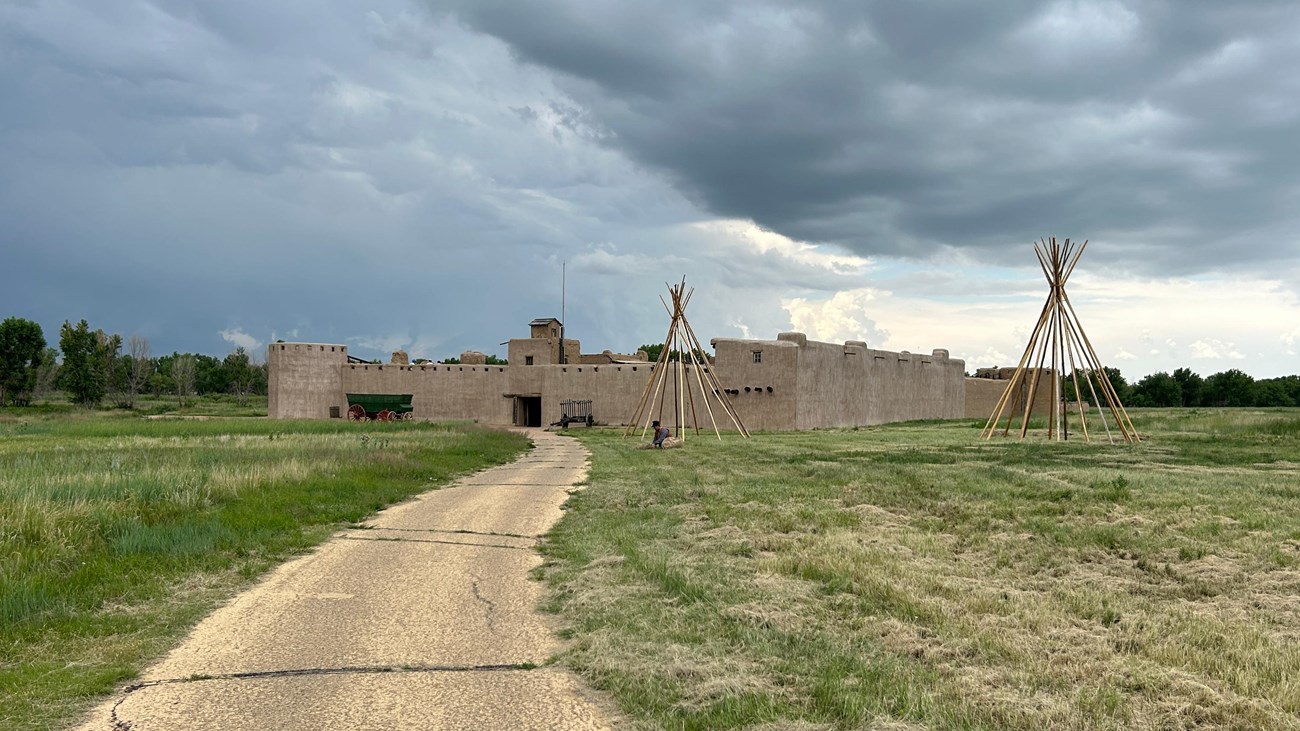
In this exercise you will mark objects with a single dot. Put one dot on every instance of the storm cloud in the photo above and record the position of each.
(898, 128)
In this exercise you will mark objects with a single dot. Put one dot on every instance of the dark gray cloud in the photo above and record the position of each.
(412, 173)
(312, 170)
(898, 128)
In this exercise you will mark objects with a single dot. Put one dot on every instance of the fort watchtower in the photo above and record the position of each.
(546, 346)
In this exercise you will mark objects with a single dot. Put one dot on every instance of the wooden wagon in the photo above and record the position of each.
(575, 412)
(380, 407)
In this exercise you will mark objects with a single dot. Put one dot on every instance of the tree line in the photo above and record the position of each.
(654, 350)
(91, 367)
(1184, 387)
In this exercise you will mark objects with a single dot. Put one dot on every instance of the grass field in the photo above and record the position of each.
(117, 533)
(914, 577)
(145, 405)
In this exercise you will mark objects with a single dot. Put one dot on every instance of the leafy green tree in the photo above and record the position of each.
(493, 360)
(47, 374)
(160, 382)
(1088, 376)
(1272, 392)
(1292, 386)
(1158, 389)
(22, 344)
(240, 374)
(262, 385)
(88, 360)
(119, 378)
(1122, 389)
(1190, 385)
(209, 375)
(1230, 388)
(654, 351)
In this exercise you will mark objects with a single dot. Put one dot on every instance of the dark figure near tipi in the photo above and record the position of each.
(661, 433)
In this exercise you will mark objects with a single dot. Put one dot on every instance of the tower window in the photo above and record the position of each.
(758, 356)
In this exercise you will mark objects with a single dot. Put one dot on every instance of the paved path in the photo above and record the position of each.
(424, 619)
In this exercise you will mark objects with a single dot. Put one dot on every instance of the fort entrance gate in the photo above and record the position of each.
(528, 411)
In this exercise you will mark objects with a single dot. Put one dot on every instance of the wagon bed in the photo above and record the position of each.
(380, 406)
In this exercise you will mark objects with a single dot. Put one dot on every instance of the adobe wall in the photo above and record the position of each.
(851, 384)
(804, 384)
(797, 384)
(765, 393)
(983, 394)
(303, 380)
(486, 393)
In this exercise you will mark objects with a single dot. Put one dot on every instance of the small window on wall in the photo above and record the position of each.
(528, 360)
(758, 356)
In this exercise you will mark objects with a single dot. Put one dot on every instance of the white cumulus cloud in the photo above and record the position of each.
(842, 317)
(240, 339)
(1214, 349)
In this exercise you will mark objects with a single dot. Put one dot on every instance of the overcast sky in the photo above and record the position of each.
(412, 173)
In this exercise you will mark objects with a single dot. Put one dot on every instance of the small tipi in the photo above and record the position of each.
(669, 396)
(1057, 343)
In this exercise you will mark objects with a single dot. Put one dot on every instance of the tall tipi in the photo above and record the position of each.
(1058, 343)
(669, 396)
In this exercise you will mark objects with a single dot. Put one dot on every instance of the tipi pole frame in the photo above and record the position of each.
(681, 334)
(1059, 341)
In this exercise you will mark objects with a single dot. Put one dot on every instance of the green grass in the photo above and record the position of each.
(913, 576)
(210, 405)
(118, 533)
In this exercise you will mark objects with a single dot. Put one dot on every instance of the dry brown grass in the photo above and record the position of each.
(913, 577)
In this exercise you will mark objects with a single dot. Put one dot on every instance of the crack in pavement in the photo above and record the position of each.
(380, 539)
(123, 725)
(447, 530)
(556, 485)
(491, 606)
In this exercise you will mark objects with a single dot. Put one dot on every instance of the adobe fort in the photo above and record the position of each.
(788, 383)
